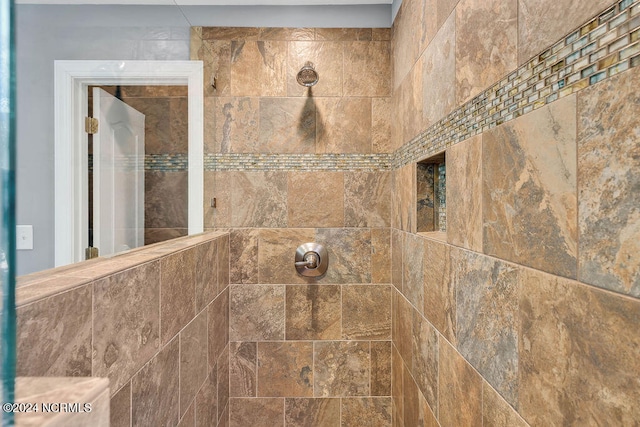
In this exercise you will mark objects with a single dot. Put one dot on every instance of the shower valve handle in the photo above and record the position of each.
(311, 260)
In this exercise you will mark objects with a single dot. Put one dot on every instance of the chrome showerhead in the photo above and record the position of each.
(307, 76)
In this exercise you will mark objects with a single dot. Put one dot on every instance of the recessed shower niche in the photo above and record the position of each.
(431, 196)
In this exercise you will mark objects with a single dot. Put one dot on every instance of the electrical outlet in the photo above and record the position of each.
(24, 237)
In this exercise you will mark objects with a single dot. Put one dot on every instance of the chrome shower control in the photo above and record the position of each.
(311, 260)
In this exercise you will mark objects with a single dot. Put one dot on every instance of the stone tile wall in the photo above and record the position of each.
(154, 321)
(526, 311)
(290, 165)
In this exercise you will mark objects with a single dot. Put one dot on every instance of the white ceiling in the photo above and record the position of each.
(214, 2)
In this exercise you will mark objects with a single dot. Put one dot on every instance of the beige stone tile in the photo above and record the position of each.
(179, 125)
(285, 369)
(529, 189)
(52, 340)
(327, 59)
(258, 68)
(367, 68)
(486, 37)
(380, 34)
(276, 254)
(211, 143)
(366, 411)
(316, 199)
(403, 338)
(381, 255)
(218, 185)
(410, 35)
(126, 326)
(256, 312)
(120, 407)
(268, 193)
(496, 411)
(381, 368)
(413, 270)
(230, 33)
(157, 124)
(216, 58)
(193, 360)
(275, 33)
(223, 381)
(459, 390)
(206, 273)
(224, 261)
(411, 399)
(366, 312)
(397, 249)
(397, 384)
(218, 326)
(608, 200)
(343, 34)
(349, 252)
(165, 202)
(256, 412)
(542, 23)
(177, 292)
(426, 416)
(579, 353)
(243, 254)
(403, 206)
(411, 103)
(288, 125)
(306, 412)
(155, 235)
(439, 289)
(367, 197)
(155, 389)
(237, 124)
(343, 125)
(464, 194)
(424, 367)
(445, 8)
(439, 74)
(243, 369)
(313, 312)
(341, 368)
(206, 405)
(189, 418)
(381, 125)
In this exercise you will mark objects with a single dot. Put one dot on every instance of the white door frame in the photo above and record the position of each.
(72, 79)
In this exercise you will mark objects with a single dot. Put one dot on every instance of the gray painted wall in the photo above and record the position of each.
(46, 33)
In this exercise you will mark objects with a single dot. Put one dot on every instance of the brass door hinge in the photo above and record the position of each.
(90, 253)
(91, 125)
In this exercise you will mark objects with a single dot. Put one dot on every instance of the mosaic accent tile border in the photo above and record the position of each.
(153, 162)
(603, 47)
(303, 162)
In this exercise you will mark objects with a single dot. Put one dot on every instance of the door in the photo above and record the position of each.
(118, 175)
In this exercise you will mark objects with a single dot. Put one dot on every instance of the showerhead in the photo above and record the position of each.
(307, 76)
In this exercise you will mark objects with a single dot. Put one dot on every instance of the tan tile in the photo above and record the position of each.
(459, 390)
(529, 189)
(316, 199)
(424, 367)
(397, 384)
(439, 290)
(267, 191)
(496, 411)
(223, 381)
(206, 274)
(216, 58)
(276, 255)
(285, 369)
(579, 353)
(258, 68)
(179, 125)
(327, 60)
(288, 125)
(237, 124)
(223, 252)
(211, 143)
(608, 161)
(367, 199)
(155, 389)
(381, 368)
(256, 312)
(244, 253)
(343, 125)
(313, 312)
(542, 23)
(189, 418)
(367, 68)
(165, 201)
(411, 103)
(464, 194)
(126, 322)
(230, 33)
(426, 416)
(439, 74)
(217, 185)
(155, 235)
(366, 312)
(343, 34)
(274, 33)
(243, 369)
(218, 326)
(381, 255)
(403, 338)
(193, 359)
(52, 340)
(381, 125)
(349, 252)
(256, 412)
(177, 292)
(403, 210)
(445, 9)
(308, 412)
(486, 37)
(410, 35)
(341, 368)
(411, 399)
(206, 405)
(397, 248)
(366, 411)
(120, 408)
(157, 124)
(380, 34)
(413, 267)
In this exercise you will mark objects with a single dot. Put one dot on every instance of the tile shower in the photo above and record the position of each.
(524, 312)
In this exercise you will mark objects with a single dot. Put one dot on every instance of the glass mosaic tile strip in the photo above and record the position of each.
(302, 162)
